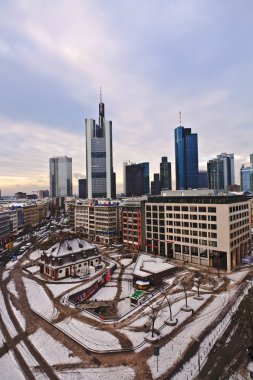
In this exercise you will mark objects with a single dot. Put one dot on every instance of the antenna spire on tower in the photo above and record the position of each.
(180, 120)
(100, 94)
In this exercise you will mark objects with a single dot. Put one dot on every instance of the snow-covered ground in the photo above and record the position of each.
(127, 289)
(12, 288)
(53, 351)
(6, 274)
(5, 316)
(58, 289)
(123, 307)
(170, 353)
(27, 356)
(2, 340)
(34, 269)
(238, 276)
(35, 255)
(9, 368)
(113, 373)
(125, 262)
(19, 316)
(89, 336)
(105, 294)
(39, 300)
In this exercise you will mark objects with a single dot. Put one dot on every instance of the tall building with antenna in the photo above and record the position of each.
(101, 180)
(186, 158)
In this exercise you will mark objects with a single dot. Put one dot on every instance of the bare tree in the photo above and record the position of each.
(155, 311)
(185, 283)
(169, 300)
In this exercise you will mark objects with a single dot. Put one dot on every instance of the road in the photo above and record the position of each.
(229, 354)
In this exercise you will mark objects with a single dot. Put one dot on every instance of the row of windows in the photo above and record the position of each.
(239, 240)
(238, 208)
(239, 224)
(238, 232)
(181, 208)
(239, 216)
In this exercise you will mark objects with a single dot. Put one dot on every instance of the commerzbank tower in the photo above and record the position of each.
(101, 180)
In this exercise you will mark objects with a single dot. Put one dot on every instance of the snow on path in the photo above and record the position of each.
(58, 289)
(9, 368)
(19, 316)
(5, 317)
(53, 351)
(127, 289)
(39, 300)
(12, 288)
(113, 373)
(190, 368)
(91, 337)
(172, 351)
(27, 356)
(125, 262)
(137, 337)
(2, 340)
(105, 294)
(35, 255)
(6, 274)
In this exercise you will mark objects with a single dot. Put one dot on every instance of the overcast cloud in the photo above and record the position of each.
(152, 59)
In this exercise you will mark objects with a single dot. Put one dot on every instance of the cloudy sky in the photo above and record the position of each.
(152, 59)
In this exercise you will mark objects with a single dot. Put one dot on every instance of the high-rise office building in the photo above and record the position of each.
(156, 185)
(246, 174)
(165, 174)
(203, 179)
(221, 172)
(82, 188)
(186, 158)
(101, 181)
(60, 176)
(136, 179)
(251, 159)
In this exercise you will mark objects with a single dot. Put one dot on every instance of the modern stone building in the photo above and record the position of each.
(206, 230)
(98, 220)
(133, 223)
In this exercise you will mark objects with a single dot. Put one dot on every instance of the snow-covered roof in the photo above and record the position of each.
(147, 264)
(67, 247)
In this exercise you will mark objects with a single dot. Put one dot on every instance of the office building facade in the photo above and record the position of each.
(156, 185)
(101, 182)
(206, 230)
(246, 174)
(60, 176)
(82, 188)
(136, 179)
(165, 174)
(221, 172)
(186, 158)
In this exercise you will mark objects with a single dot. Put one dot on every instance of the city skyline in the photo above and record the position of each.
(191, 56)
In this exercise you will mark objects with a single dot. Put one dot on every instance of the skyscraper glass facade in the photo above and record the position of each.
(186, 157)
(165, 174)
(60, 169)
(101, 182)
(246, 179)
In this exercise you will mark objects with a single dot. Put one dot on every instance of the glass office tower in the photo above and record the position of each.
(101, 181)
(186, 158)
(246, 178)
(60, 176)
(165, 174)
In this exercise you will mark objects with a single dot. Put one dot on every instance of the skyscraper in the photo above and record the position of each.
(60, 176)
(165, 174)
(251, 159)
(186, 157)
(136, 179)
(221, 172)
(246, 174)
(101, 182)
(156, 185)
(82, 188)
